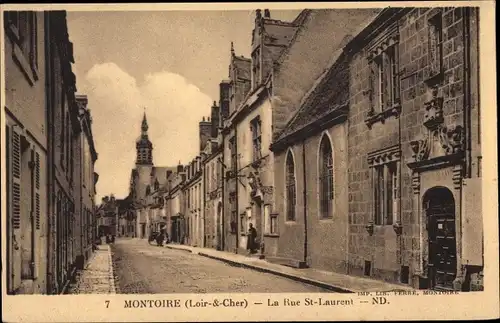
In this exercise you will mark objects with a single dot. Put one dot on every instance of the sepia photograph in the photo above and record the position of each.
(314, 152)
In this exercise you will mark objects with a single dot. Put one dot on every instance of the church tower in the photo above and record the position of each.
(144, 146)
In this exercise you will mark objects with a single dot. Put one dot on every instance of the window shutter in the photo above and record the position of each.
(37, 211)
(15, 198)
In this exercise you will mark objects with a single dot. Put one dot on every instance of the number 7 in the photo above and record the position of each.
(107, 304)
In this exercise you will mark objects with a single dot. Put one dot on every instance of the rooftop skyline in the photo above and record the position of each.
(166, 63)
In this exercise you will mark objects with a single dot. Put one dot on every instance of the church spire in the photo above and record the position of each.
(144, 126)
(144, 146)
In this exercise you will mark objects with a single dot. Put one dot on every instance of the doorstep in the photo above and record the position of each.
(325, 279)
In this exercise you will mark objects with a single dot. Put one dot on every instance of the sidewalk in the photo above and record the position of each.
(329, 280)
(97, 277)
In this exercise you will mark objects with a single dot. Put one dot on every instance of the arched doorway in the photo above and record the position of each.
(439, 206)
(219, 227)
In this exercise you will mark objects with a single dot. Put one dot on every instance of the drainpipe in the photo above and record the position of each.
(304, 178)
(467, 91)
(50, 203)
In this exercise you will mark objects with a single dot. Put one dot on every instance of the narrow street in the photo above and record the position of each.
(144, 268)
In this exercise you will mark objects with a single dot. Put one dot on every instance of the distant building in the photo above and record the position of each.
(145, 180)
(212, 185)
(107, 216)
(175, 206)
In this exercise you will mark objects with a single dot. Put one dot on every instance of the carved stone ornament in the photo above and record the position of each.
(452, 139)
(420, 149)
(384, 156)
(369, 228)
(398, 228)
(433, 109)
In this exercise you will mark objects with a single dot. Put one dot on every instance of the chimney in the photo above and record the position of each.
(180, 168)
(215, 121)
(205, 132)
(258, 14)
(267, 14)
(224, 87)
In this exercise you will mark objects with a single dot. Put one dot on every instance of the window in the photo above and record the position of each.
(62, 134)
(233, 221)
(68, 142)
(242, 223)
(326, 178)
(385, 191)
(271, 220)
(256, 69)
(384, 68)
(274, 223)
(22, 29)
(214, 181)
(435, 44)
(255, 126)
(232, 147)
(290, 188)
(384, 76)
(385, 165)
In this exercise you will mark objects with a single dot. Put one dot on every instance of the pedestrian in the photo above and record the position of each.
(252, 235)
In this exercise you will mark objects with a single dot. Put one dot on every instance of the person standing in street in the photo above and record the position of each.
(252, 235)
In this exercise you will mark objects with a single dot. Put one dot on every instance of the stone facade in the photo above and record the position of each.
(308, 233)
(424, 132)
(192, 190)
(410, 151)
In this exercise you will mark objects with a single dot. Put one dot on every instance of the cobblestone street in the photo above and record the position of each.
(144, 268)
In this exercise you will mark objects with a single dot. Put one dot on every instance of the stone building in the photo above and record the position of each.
(212, 185)
(247, 131)
(126, 218)
(107, 216)
(274, 96)
(85, 226)
(409, 154)
(26, 143)
(309, 143)
(175, 206)
(49, 229)
(416, 143)
(192, 192)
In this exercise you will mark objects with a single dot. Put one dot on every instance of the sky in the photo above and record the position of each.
(166, 63)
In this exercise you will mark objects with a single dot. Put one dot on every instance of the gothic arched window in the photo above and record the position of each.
(326, 179)
(290, 188)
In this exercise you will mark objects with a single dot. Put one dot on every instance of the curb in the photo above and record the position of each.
(279, 273)
(111, 273)
(181, 249)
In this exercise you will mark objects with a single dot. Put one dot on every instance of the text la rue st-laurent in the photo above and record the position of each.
(318, 301)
